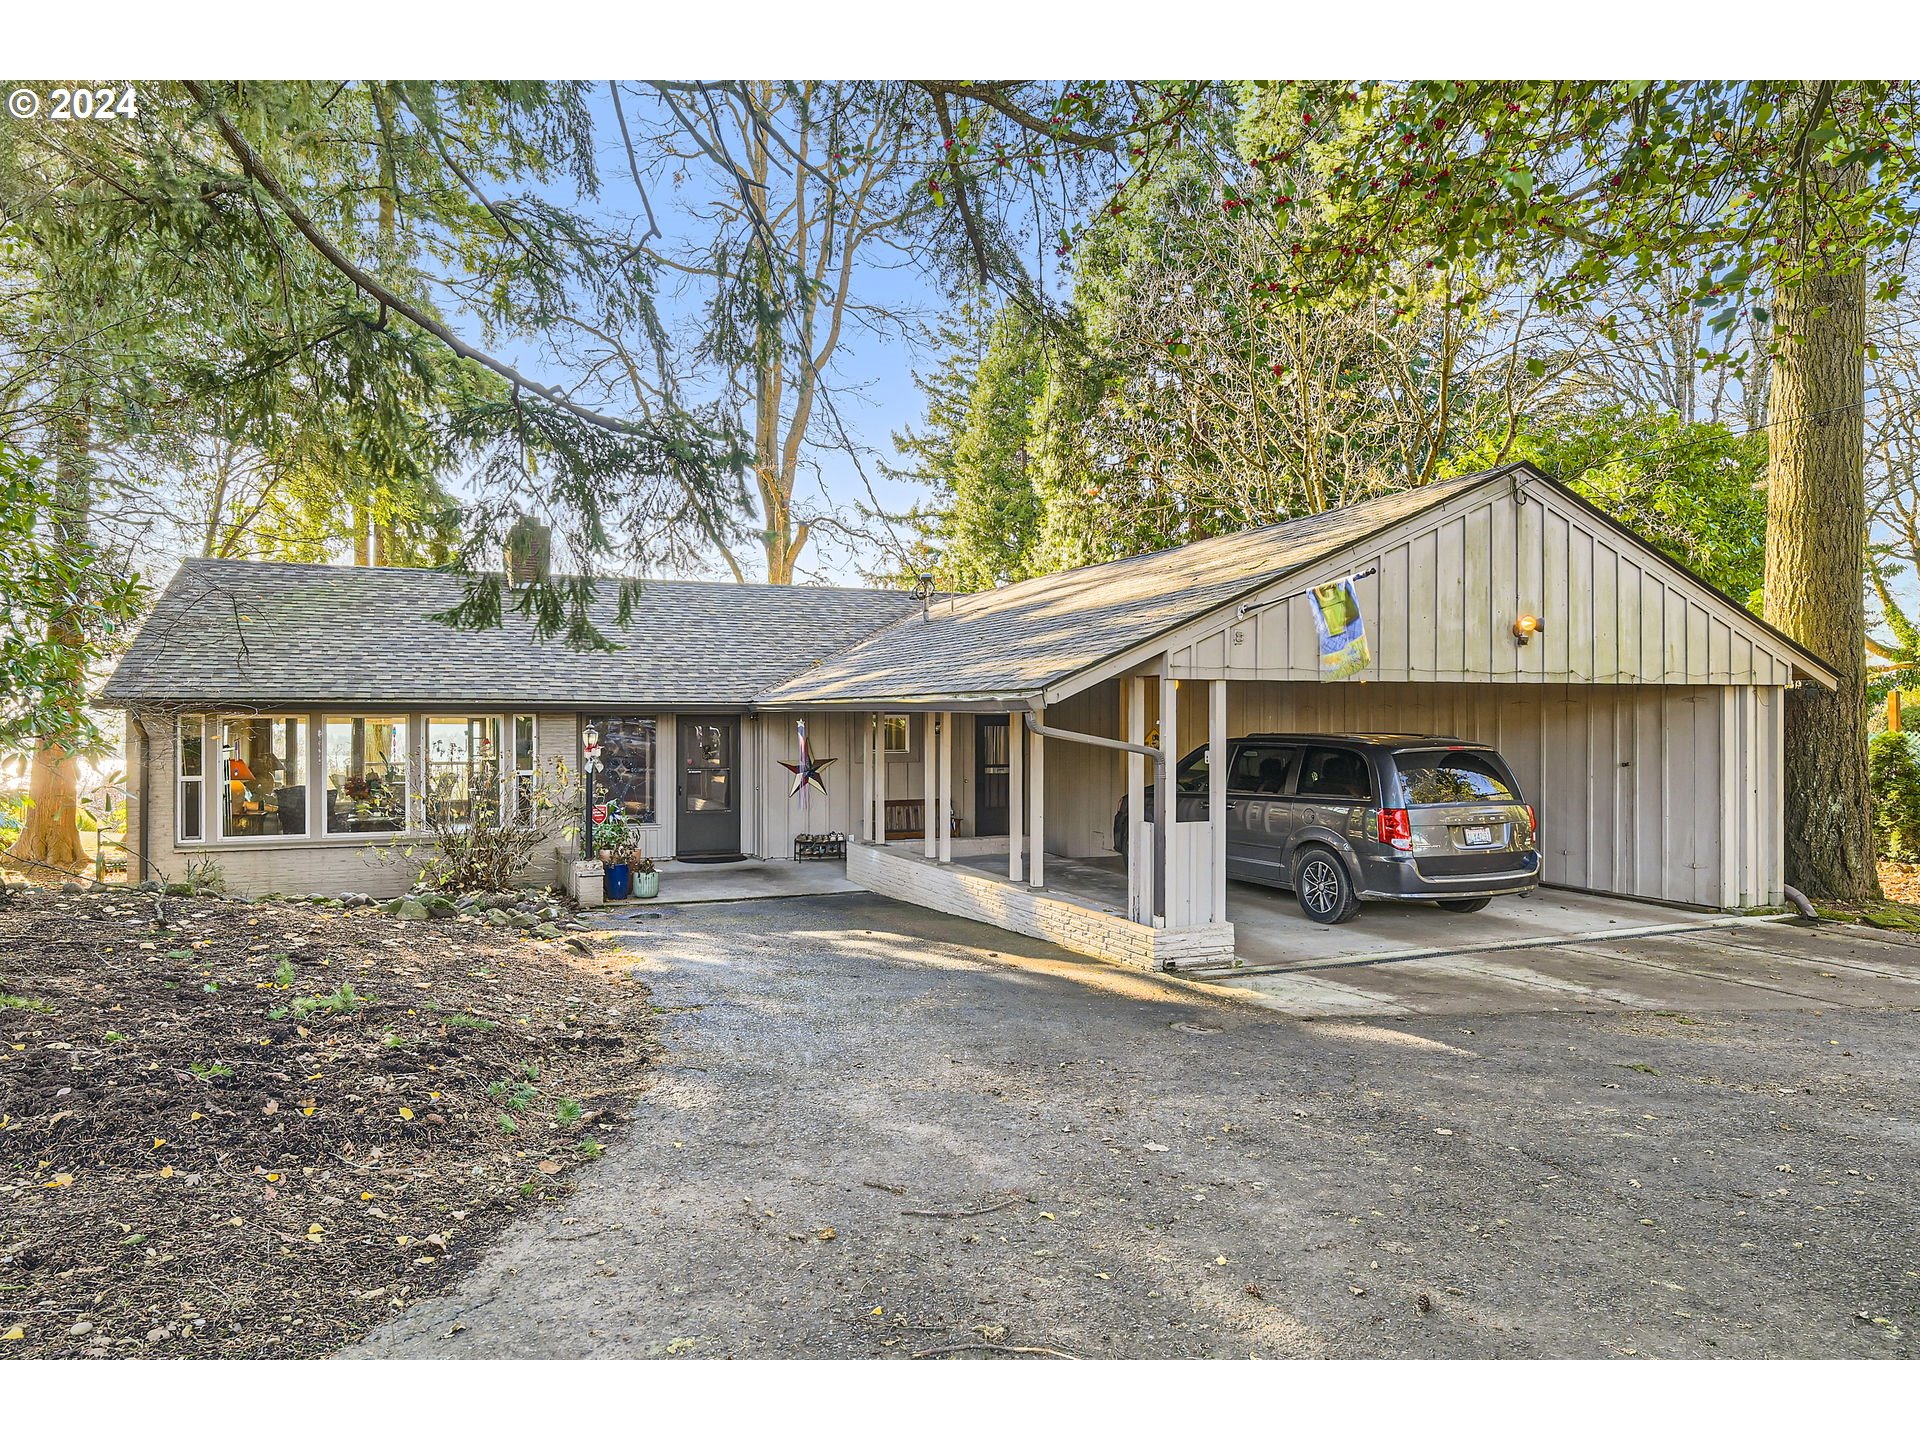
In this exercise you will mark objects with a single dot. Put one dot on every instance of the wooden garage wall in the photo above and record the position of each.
(1664, 792)
(1448, 587)
(1657, 791)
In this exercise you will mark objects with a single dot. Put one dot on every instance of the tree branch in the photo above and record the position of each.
(257, 170)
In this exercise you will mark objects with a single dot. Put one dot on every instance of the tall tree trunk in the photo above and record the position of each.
(1816, 553)
(362, 535)
(50, 834)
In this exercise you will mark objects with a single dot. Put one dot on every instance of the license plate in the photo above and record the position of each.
(1476, 835)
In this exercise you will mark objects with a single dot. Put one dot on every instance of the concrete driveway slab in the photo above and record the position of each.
(884, 1132)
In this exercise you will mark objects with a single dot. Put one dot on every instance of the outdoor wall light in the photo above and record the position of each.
(1526, 627)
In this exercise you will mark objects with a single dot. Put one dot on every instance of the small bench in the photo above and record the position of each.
(907, 820)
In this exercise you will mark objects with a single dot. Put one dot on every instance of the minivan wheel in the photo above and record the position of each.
(1465, 906)
(1321, 886)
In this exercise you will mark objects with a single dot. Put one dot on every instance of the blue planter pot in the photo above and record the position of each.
(619, 881)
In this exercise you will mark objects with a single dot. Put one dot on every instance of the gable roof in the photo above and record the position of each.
(260, 634)
(1025, 637)
(255, 633)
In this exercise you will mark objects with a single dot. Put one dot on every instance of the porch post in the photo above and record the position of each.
(929, 768)
(1166, 807)
(1016, 796)
(1037, 808)
(880, 779)
(866, 782)
(1217, 793)
(1139, 863)
(946, 788)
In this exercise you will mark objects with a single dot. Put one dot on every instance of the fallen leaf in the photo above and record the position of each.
(548, 1167)
(16, 1333)
(828, 1234)
(405, 1113)
(59, 1182)
(1157, 1149)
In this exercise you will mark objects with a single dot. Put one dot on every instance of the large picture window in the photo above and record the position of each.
(627, 782)
(264, 775)
(366, 761)
(463, 768)
(190, 803)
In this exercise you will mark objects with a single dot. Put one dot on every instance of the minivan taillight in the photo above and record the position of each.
(1533, 826)
(1396, 829)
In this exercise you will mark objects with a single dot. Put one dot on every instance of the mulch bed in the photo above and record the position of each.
(210, 1148)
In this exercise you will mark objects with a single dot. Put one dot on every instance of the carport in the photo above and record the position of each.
(1640, 708)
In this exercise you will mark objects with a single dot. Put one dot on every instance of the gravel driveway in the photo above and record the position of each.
(1159, 1169)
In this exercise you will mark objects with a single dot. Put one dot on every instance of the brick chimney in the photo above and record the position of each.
(529, 553)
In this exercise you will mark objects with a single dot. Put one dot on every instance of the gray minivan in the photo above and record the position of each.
(1339, 819)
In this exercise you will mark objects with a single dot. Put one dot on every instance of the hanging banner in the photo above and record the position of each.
(1343, 630)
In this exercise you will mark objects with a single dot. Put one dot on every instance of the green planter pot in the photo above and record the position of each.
(645, 887)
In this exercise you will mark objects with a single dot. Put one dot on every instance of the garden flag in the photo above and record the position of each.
(1343, 630)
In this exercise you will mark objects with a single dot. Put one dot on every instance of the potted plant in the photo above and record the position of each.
(646, 879)
(614, 841)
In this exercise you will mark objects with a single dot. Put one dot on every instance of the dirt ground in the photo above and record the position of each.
(232, 1129)
(880, 1132)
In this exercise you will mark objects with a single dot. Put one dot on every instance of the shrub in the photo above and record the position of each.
(205, 874)
(1893, 769)
(480, 845)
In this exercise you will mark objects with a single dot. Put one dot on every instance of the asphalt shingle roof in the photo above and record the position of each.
(1024, 637)
(257, 634)
(242, 631)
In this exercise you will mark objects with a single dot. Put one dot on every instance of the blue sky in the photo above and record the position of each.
(873, 388)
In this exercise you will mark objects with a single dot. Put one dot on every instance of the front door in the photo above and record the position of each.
(709, 827)
(990, 775)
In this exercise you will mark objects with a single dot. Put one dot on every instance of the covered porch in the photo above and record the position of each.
(1059, 878)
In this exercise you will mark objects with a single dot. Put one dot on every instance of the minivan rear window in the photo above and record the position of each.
(1438, 777)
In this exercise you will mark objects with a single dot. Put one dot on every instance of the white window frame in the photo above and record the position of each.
(405, 725)
(181, 780)
(528, 774)
(503, 737)
(906, 728)
(307, 762)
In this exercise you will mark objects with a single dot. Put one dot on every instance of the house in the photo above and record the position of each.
(1641, 709)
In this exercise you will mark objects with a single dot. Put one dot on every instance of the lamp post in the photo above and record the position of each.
(590, 763)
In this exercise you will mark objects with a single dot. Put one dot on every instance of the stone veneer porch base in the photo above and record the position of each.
(1044, 916)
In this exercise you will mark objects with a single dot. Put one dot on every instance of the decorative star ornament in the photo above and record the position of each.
(809, 772)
